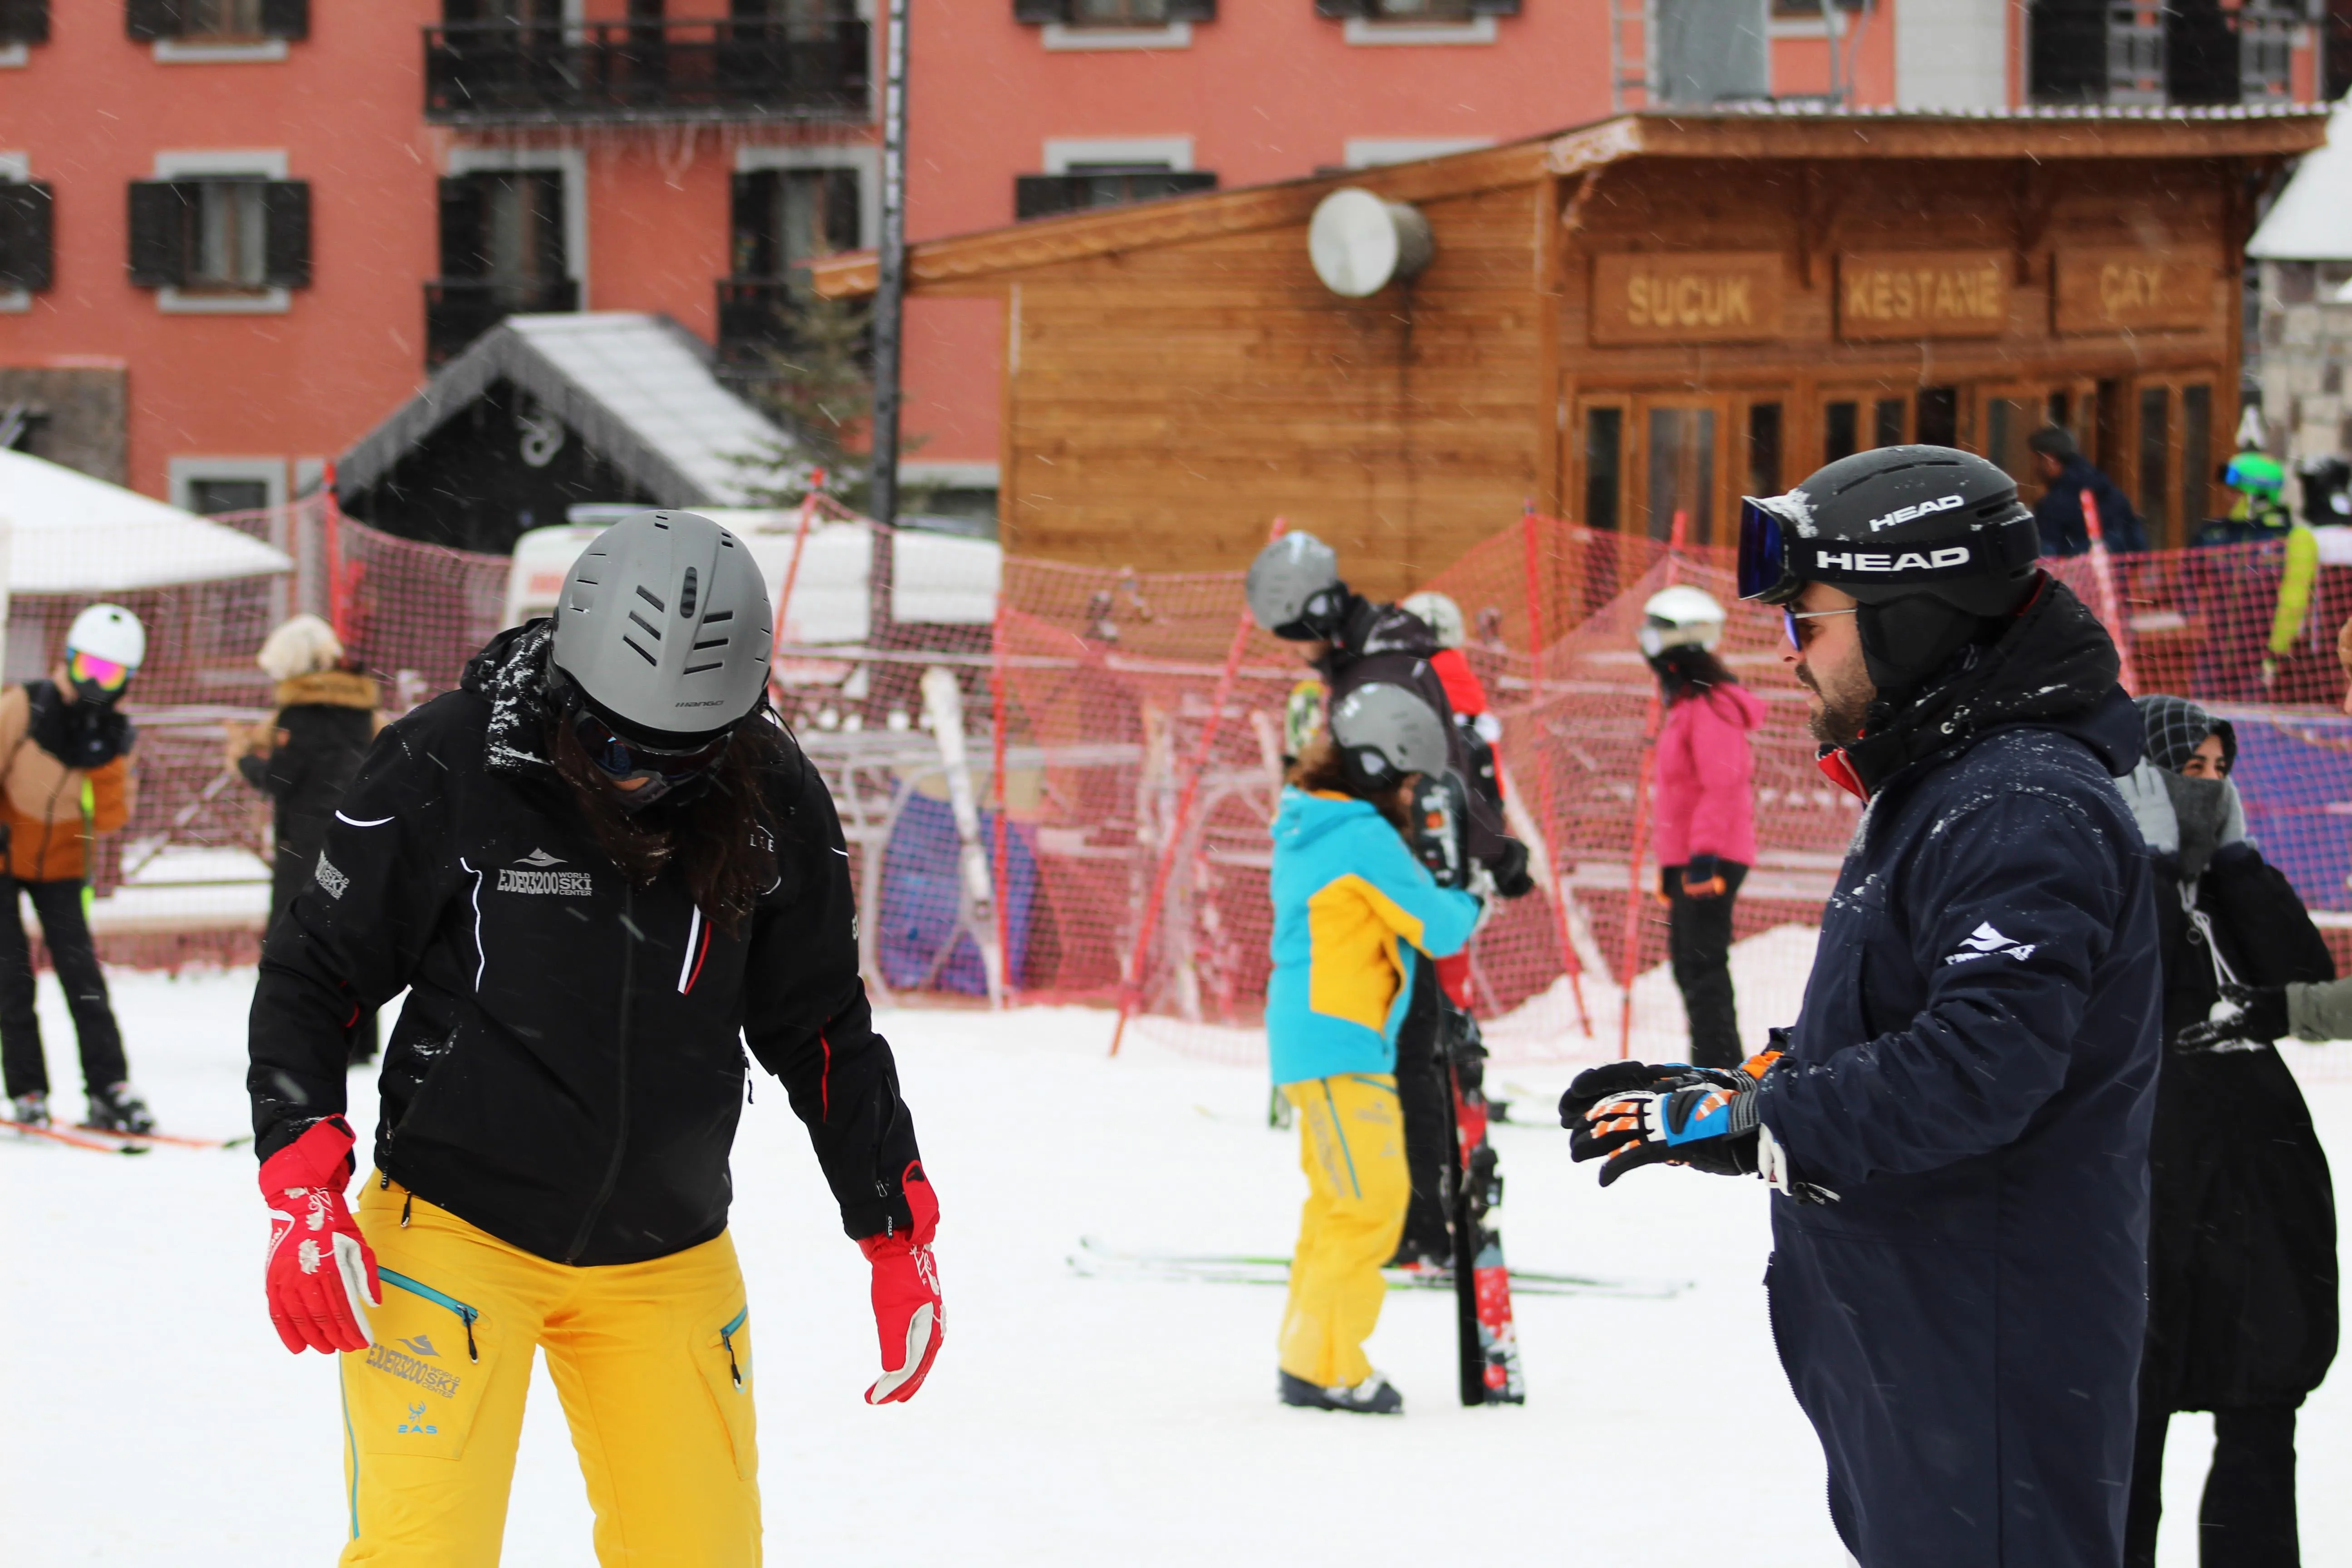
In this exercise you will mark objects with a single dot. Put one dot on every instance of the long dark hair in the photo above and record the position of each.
(1319, 768)
(722, 839)
(1687, 670)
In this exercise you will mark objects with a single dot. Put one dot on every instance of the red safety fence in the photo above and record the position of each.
(1124, 736)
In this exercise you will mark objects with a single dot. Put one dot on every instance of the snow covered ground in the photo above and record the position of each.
(153, 1417)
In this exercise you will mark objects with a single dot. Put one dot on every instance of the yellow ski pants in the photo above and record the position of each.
(1351, 1146)
(653, 1361)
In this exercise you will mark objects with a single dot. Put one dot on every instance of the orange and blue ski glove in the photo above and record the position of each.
(907, 1309)
(1636, 1113)
(319, 1268)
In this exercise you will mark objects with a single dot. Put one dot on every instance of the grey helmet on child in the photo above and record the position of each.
(1384, 733)
(1294, 589)
(1931, 542)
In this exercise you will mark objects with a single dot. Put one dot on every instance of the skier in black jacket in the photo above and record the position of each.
(2241, 1246)
(1295, 592)
(600, 868)
(1956, 1127)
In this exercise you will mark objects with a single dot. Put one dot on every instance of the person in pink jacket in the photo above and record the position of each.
(1705, 810)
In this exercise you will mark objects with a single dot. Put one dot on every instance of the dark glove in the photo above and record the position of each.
(2246, 1012)
(1635, 1114)
(1703, 877)
(1508, 866)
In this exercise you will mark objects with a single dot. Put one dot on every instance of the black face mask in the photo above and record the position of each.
(2203, 808)
(82, 734)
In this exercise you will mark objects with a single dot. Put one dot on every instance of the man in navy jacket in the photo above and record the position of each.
(1957, 1126)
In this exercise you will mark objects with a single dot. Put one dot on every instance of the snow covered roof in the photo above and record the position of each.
(2312, 219)
(638, 388)
(70, 533)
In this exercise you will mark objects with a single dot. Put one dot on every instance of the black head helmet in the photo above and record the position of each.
(1931, 542)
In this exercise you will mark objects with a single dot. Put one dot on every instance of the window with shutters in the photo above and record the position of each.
(1418, 21)
(505, 251)
(21, 22)
(783, 218)
(1087, 184)
(1097, 24)
(211, 238)
(26, 236)
(217, 30)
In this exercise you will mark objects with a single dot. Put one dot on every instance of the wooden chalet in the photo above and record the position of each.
(1651, 315)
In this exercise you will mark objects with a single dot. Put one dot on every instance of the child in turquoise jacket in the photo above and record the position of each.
(1348, 898)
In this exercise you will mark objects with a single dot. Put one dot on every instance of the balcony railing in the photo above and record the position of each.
(459, 309)
(522, 72)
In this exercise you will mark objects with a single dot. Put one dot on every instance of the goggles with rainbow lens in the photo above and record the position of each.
(90, 672)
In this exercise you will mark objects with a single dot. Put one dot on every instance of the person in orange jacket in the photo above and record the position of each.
(65, 783)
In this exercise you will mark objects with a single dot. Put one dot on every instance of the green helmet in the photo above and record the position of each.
(2257, 474)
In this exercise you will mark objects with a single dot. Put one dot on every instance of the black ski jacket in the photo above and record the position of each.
(2241, 1285)
(1385, 643)
(1972, 1073)
(568, 1067)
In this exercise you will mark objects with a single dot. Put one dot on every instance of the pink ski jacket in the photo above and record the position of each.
(1705, 798)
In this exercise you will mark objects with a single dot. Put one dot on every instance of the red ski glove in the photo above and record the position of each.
(320, 1266)
(906, 1309)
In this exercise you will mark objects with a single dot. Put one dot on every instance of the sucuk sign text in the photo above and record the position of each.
(1697, 297)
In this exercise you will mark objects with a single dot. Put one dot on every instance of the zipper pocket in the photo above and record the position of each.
(727, 1337)
(465, 1314)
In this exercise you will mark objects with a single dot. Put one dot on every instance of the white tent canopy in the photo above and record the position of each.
(74, 534)
(2312, 219)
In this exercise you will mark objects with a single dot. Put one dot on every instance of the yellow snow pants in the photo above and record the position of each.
(652, 1362)
(1351, 1146)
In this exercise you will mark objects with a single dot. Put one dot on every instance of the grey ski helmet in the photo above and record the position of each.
(1294, 589)
(1932, 542)
(1384, 733)
(665, 627)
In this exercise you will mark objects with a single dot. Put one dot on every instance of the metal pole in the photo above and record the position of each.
(889, 293)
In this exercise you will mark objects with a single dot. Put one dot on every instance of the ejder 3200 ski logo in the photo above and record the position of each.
(1987, 941)
(531, 875)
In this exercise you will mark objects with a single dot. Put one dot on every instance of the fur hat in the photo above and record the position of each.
(302, 646)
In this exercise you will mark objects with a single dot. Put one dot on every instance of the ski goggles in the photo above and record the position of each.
(621, 758)
(89, 669)
(1765, 571)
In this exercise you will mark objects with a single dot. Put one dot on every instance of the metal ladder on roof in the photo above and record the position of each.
(1629, 54)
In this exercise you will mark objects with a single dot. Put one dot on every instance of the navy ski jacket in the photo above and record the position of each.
(1972, 1074)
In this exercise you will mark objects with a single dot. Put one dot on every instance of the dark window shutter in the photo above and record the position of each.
(152, 18)
(552, 226)
(25, 235)
(286, 249)
(1493, 8)
(461, 228)
(1191, 10)
(159, 229)
(460, 11)
(1037, 13)
(1343, 8)
(842, 226)
(753, 223)
(24, 21)
(285, 18)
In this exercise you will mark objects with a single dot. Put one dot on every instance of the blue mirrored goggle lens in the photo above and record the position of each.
(1763, 559)
(624, 759)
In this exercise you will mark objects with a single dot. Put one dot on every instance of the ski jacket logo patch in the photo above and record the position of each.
(1987, 941)
(530, 875)
(326, 874)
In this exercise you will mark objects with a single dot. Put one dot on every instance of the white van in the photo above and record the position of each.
(936, 577)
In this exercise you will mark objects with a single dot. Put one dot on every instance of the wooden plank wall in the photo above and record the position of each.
(1164, 404)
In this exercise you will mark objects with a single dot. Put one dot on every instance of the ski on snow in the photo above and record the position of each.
(1096, 1259)
(174, 1140)
(102, 1144)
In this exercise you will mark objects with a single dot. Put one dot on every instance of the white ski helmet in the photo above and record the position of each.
(108, 632)
(1442, 616)
(1679, 616)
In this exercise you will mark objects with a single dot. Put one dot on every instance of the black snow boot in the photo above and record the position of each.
(31, 1109)
(116, 1109)
(1373, 1396)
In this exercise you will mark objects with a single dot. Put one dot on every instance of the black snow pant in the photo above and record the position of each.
(1698, 943)
(67, 931)
(1422, 1090)
(2247, 1519)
